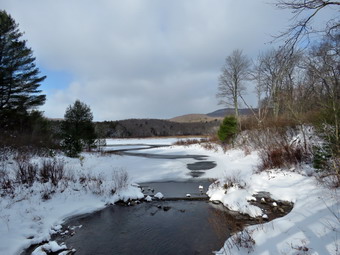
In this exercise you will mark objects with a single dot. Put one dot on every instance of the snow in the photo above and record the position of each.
(51, 246)
(148, 198)
(313, 224)
(159, 195)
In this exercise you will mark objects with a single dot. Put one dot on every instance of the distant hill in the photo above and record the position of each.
(228, 111)
(212, 116)
(190, 118)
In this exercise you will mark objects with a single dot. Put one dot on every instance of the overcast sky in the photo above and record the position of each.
(140, 58)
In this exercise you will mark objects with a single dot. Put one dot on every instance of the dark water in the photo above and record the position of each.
(158, 227)
(168, 227)
(177, 189)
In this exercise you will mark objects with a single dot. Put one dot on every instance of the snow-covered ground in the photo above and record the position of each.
(312, 227)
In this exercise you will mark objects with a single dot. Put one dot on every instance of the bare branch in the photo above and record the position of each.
(302, 29)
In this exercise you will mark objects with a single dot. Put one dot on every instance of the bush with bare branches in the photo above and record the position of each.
(52, 170)
(26, 171)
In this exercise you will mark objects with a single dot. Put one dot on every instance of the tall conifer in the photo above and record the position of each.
(19, 76)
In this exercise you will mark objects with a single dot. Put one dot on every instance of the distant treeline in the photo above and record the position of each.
(153, 127)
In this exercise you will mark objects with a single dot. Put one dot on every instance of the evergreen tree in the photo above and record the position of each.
(78, 131)
(19, 77)
(228, 129)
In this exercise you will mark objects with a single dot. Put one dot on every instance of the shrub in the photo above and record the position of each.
(52, 170)
(187, 142)
(26, 172)
(228, 129)
(210, 146)
(92, 183)
(234, 180)
(241, 240)
(280, 156)
(6, 184)
(120, 179)
(284, 148)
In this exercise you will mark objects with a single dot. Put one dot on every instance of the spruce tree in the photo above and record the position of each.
(19, 76)
(228, 129)
(77, 129)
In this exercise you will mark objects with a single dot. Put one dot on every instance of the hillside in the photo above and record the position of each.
(188, 118)
(212, 116)
(229, 111)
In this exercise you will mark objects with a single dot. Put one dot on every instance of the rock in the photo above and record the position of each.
(263, 201)
(281, 210)
(265, 217)
(166, 208)
(216, 202)
(274, 204)
(188, 195)
(200, 187)
(148, 199)
(159, 195)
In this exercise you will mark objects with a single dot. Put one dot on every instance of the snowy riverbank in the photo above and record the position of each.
(311, 228)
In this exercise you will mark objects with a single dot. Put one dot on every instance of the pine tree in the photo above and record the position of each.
(19, 76)
(77, 129)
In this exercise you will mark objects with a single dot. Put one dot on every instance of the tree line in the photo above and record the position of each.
(286, 82)
(300, 79)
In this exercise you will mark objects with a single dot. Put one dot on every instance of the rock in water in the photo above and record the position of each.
(159, 195)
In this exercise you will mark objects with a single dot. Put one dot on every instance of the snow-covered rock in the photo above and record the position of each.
(159, 195)
(51, 246)
(148, 199)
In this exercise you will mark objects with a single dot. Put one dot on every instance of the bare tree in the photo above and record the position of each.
(234, 72)
(324, 72)
(275, 77)
(305, 12)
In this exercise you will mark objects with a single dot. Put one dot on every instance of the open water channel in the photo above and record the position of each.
(177, 224)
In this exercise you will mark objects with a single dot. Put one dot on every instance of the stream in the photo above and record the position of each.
(184, 222)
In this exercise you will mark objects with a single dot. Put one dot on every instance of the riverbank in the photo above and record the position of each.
(312, 226)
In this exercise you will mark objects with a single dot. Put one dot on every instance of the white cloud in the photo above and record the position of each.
(141, 58)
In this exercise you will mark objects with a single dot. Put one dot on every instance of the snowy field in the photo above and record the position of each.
(311, 228)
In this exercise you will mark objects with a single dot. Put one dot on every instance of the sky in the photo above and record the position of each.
(141, 58)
